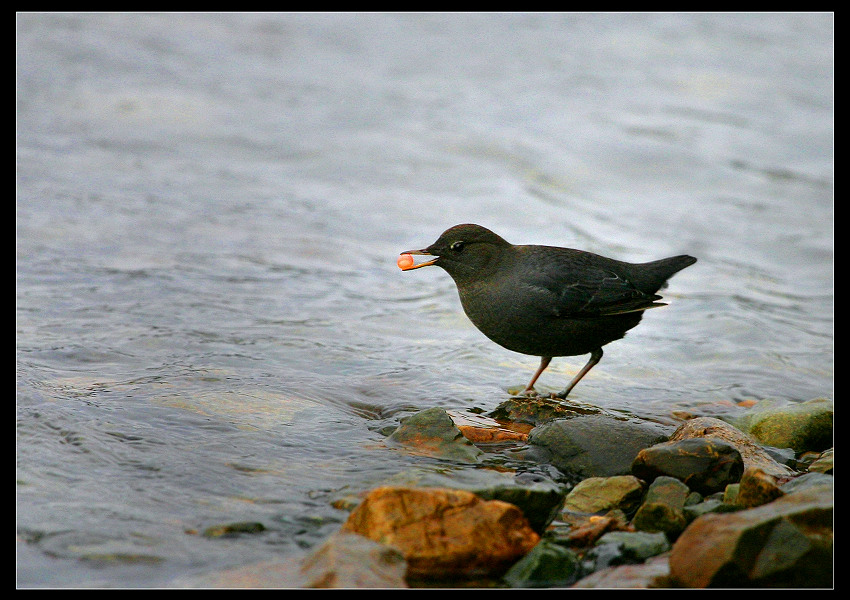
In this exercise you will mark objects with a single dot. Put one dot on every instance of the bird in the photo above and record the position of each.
(546, 301)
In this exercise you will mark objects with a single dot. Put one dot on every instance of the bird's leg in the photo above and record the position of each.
(544, 362)
(595, 357)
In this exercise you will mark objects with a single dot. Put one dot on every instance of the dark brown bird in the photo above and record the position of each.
(543, 300)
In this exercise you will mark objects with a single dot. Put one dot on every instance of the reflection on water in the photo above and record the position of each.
(210, 324)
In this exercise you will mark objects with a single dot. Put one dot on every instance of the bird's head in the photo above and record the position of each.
(463, 251)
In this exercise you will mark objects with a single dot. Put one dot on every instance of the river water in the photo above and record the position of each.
(210, 324)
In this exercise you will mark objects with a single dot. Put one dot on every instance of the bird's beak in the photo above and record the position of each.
(420, 265)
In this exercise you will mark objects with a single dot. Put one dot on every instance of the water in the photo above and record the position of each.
(210, 324)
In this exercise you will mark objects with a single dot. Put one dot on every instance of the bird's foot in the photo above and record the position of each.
(529, 393)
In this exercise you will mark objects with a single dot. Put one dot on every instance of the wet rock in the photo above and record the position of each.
(432, 432)
(585, 529)
(753, 454)
(601, 494)
(345, 560)
(706, 465)
(537, 496)
(757, 488)
(823, 463)
(786, 543)
(626, 547)
(540, 500)
(269, 574)
(549, 564)
(538, 410)
(348, 560)
(709, 505)
(807, 481)
(444, 533)
(233, 529)
(801, 426)
(594, 445)
(663, 508)
(654, 573)
(479, 429)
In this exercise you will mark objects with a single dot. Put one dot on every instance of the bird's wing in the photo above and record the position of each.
(586, 291)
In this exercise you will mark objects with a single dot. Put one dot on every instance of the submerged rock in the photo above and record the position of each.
(432, 432)
(347, 560)
(344, 560)
(233, 529)
(442, 533)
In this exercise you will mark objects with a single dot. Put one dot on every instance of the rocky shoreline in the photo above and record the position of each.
(548, 494)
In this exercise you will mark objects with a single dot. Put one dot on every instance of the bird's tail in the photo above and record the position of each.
(657, 273)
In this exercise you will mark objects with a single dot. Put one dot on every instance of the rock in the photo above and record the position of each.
(705, 465)
(549, 564)
(233, 529)
(444, 533)
(663, 508)
(709, 505)
(601, 494)
(801, 426)
(636, 546)
(757, 488)
(752, 453)
(432, 432)
(654, 573)
(269, 574)
(347, 560)
(537, 410)
(808, 480)
(786, 543)
(537, 496)
(730, 494)
(594, 445)
(540, 500)
(626, 547)
(479, 429)
(584, 529)
(823, 463)
(693, 498)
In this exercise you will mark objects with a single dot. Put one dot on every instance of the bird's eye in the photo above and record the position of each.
(457, 246)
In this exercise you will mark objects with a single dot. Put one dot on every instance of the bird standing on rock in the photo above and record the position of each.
(543, 300)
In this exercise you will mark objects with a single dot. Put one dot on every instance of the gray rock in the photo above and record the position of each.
(595, 445)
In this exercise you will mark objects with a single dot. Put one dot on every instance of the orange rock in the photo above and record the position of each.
(591, 527)
(488, 435)
(484, 430)
(444, 533)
